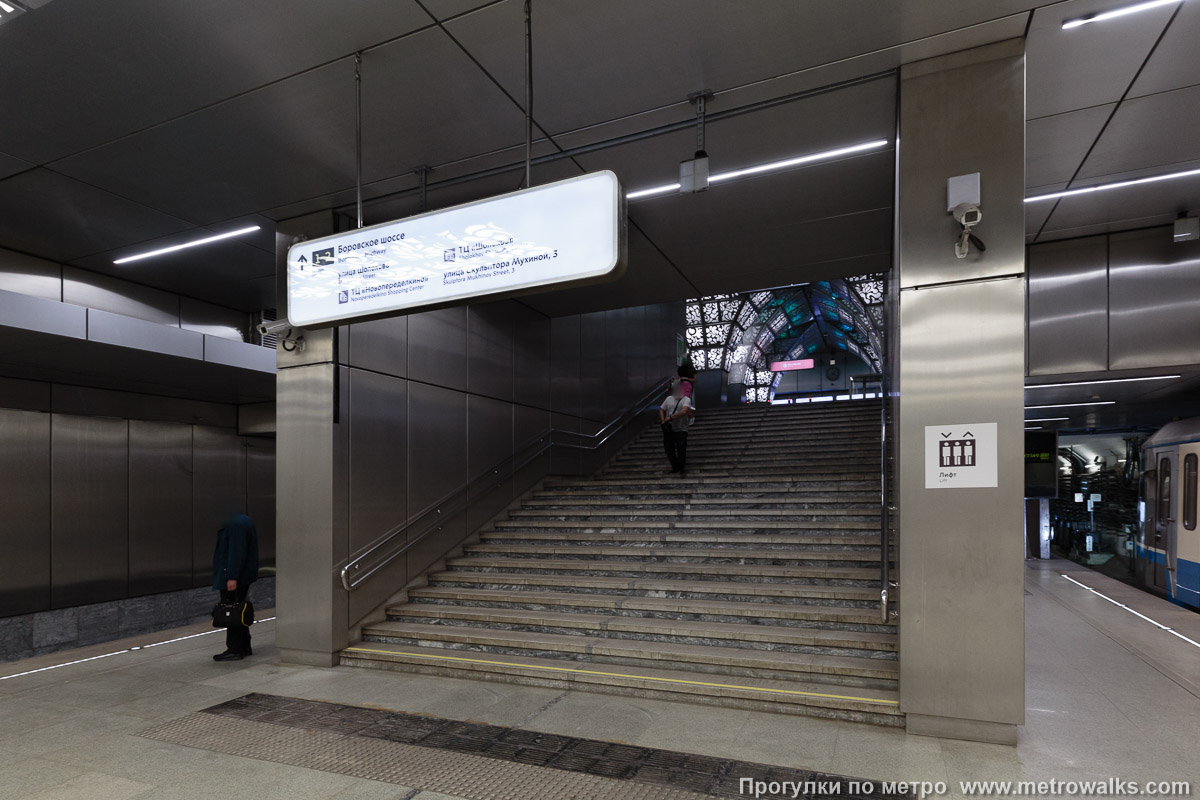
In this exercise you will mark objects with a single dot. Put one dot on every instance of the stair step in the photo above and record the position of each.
(551, 500)
(695, 514)
(740, 555)
(596, 584)
(856, 576)
(878, 706)
(721, 634)
(663, 607)
(652, 525)
(803, 541)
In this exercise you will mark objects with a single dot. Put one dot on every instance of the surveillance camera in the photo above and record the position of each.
(273, 326)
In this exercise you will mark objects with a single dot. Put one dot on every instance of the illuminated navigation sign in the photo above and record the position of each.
(572, 231)
(788, 366)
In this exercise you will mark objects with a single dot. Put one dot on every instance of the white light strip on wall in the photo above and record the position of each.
(1117, 185)
(774, 165)
(1158, 625)
(9, 9)
(118, 652)
(1116, 12)
(1034, 428)
(1049, 419)
(196, 243)
(1072, 405)
(1109, 380)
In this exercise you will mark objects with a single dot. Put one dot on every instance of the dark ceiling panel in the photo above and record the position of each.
(649, 278)
(10, 165)
(1173, 64)
(107, 69)
(627, 56)
(289, 141)
(226, 272)
(1055, 146)
(443, 9)
(56, 217)
(426, 102)
(1086, 66)
(1159, 130)
(1118, 209)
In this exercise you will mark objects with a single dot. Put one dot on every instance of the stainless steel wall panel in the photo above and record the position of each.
(592, 365)
(1068, 306)
(218, 487)
(564, 364)
(998, 126)
(86, 401)
(213, 320)
(24, 395)
(41, 315)
(380, 346)
(531, 345)
(528, 425)
(437, 444)
(489, 441)
(260, 495)
(490, 349)
(124, 331)
(91, 289)
(1154, 286)
(378, 420)
(160, 507)
(235, 353)
(25, 521)
(28, 275)
(437, 347)
(618, 340)
(89, 514)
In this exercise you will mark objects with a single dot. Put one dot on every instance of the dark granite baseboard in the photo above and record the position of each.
(62, 629)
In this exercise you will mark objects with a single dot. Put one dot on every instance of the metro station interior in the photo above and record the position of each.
(935, 268)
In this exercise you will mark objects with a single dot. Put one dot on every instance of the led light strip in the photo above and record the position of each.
(1116, 12)
(774, 165)
(1072, 405)
(1131, 611)
(1117, 185)
(1109, 380)
(186, 245)
(1049, 419)
(7, 8)
(119, 652)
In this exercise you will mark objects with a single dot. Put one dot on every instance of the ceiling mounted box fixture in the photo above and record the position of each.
(568, 232)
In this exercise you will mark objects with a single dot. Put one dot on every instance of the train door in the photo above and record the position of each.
(1187, 542)
(1165, 523)
(1148, 527)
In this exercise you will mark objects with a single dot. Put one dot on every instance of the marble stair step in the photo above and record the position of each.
(703, 514)
(780, 592)
(777, 557)
(800, 541)
(879, 706)
(694, 570)
(716, 634)
(783, 502)
(772, 613)
(721, 523)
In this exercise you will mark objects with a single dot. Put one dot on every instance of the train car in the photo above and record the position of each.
(1168, 546)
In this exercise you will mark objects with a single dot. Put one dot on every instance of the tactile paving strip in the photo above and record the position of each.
(471, 760)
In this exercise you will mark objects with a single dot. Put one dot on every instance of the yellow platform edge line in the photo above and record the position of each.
(623, 675)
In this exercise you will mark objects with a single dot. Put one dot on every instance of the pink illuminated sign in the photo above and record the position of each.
(788, 366)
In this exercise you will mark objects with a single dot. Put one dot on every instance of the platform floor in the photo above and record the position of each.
(1109, 695)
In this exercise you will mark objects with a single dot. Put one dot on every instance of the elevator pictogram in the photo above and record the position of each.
(957, 452)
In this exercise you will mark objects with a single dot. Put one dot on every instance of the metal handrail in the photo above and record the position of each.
(432, 519)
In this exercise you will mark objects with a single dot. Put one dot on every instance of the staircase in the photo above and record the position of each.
(753, 582)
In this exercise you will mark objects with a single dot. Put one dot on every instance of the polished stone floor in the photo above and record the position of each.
(1109, 694)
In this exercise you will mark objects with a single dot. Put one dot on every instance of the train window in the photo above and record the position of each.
(1164, 491)
(1189, 491)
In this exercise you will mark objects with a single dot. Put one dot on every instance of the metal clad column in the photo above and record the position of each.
(962, 329)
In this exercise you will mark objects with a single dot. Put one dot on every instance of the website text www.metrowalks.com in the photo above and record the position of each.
(827, 787)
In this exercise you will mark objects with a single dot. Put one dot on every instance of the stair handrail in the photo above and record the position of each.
(386, 549)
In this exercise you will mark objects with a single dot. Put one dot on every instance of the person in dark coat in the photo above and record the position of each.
(235, 567)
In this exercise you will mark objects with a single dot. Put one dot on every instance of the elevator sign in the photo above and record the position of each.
(960, 456)
(572, 231)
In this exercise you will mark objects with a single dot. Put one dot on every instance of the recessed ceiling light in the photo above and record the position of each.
(1119, 184)
(1072, 405)
(769, 167)
(1049, 419)
(1116, 12)
(186, 245)
(1109, 380)
(1035, 428)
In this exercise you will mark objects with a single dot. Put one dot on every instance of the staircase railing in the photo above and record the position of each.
(403, 538)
